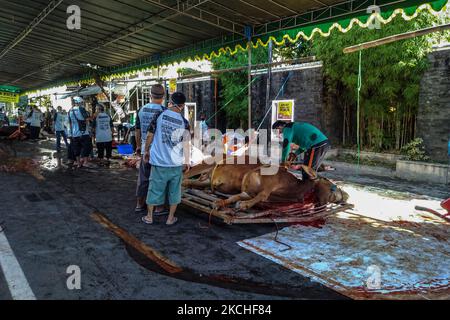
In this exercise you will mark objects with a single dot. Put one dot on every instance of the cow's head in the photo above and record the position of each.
(328, 192)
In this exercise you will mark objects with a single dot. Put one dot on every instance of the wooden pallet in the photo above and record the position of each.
(283, 213)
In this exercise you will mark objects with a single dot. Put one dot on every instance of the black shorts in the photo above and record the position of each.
(143, 179)
(82, 146)
(315, 156)
(70, 154)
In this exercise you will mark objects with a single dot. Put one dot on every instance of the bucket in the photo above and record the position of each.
(446, 205)
(125, 149)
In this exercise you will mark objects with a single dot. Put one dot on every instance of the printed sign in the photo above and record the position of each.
(9, 97)
(172, 86)
(282, 110)
(285, 110)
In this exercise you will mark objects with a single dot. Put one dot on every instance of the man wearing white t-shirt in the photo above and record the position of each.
(59, 121)
(168, 152)
(103, 126)
(35, 119)
(144, 118)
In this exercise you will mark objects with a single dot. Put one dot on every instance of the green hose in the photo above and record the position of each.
(232, 99)
(358, 124)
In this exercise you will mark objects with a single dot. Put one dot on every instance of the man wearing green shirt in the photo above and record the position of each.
(308, 138)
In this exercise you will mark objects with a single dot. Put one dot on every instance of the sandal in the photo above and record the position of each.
(140, 210)
(144, 220)
(175, 220)
(161, 213)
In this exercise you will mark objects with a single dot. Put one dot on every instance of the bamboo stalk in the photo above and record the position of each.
(397, 37)
(237, 69)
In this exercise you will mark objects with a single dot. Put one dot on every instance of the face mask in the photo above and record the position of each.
(178, 107)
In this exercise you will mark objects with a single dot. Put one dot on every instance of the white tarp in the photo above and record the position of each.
(393, 254)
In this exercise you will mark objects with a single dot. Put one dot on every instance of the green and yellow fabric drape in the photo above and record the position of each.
(408, 10)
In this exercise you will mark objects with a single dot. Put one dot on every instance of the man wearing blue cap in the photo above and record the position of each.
(167, 150)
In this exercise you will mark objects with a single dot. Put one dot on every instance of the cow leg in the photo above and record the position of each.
(261, 197)
(231, 200)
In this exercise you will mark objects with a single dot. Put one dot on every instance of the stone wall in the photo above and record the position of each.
(200, 92)
(306, 86)
(433, 120)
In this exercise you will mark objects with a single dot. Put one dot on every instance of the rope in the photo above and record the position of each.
(279, 92)
(288, 247)
(201, 226)
(358, 120)
(232, 99)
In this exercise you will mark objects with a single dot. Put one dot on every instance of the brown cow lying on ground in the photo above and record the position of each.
(249, 187)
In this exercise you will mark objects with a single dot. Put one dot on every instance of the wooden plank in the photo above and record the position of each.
(202, 201)
(218, 214)
(195, 205)
(202, 195)
(199, 200)
(282, 220)
(294, 219)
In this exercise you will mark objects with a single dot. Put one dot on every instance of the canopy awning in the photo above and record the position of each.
(11, 89)
(120, 37)
(89, 91)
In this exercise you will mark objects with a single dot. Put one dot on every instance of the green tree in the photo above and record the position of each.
(391, 77)
(234, 82)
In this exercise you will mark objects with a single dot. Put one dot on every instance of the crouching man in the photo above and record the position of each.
(169, 155)
(309, 139)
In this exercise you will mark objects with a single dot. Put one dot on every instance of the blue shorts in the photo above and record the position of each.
(165, 183)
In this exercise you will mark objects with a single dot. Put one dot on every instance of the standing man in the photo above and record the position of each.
(79, 128)
(167, 149)
(59, 121)
(26, 116)
(48, 119)
(204, 128)
(70, 154)
(3, 118)
(145, 117)
(35, 118)
(103, 126)
(308, 138)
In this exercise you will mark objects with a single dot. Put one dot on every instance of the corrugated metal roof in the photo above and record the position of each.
(115, 32)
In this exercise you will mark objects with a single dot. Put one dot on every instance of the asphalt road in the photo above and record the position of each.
(49, 227)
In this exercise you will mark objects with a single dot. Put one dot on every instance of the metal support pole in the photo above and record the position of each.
(250, 85)
(269, 87)
(137, 97)
(110, 98)
(248, 33)
(216, 85)
(166, 102)
(142, 96)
